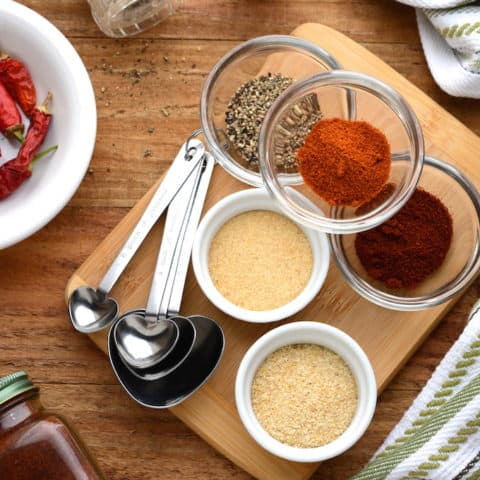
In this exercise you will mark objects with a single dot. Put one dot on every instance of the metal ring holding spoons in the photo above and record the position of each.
(91, 309)
(188, 143)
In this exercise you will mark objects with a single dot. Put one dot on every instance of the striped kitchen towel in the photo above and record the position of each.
(438, 438)
(450, 35)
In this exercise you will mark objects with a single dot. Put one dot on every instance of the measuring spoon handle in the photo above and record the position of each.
(177, 214)
(180, 170)
(176, 280)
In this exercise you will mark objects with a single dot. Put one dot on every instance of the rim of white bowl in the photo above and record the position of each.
(221, 212)
(321, 334)
(87, 115)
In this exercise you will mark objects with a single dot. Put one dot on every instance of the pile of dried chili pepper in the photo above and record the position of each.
(17, 87)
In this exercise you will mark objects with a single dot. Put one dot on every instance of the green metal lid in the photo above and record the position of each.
(13, 385)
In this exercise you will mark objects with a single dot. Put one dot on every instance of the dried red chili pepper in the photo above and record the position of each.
(10, 119)
(11, 178)
(17, 80)
(16, 171)
(39, 123)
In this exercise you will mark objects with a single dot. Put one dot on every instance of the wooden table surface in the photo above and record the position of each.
(147, 90)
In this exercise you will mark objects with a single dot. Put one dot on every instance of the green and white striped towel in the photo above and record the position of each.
(450, 34)
(438, 438)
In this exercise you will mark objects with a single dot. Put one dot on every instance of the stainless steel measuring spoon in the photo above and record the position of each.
(181, 383)
(166, 388)
(91, 309)
(135, 332)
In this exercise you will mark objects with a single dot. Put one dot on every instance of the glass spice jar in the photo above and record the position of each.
(122, 18)
(36, 444)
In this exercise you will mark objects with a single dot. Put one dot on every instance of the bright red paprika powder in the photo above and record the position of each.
(345, 162)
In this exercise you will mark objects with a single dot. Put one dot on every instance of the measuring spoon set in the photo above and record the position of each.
(159, 356)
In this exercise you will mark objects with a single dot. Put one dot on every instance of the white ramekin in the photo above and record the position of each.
(224, 210)
(331, 338)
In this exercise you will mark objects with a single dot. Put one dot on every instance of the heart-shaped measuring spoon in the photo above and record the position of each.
(91, 309)
(185, 380)
(166, 390)
(135, 332)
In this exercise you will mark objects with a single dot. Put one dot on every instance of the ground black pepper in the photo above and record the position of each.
(245, 114)
(247, 109)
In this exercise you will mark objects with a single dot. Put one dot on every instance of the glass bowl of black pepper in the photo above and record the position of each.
(345, 158)
(423, 256)
(241, 87)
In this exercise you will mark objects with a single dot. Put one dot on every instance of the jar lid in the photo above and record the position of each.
(13, 385)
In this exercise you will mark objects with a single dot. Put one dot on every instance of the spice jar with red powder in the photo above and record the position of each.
(36, 444)
(367, 136)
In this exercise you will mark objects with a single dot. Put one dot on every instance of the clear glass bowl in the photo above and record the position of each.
(461, 264)
(287, 55)
(350, 96)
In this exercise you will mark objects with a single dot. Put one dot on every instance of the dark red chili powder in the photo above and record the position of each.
(409, 247)
(345, 162)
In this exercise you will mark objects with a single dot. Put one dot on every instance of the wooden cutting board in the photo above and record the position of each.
(389, 338)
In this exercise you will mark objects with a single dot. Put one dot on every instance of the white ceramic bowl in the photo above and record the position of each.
(224, 210)
(55, 66)
(331, 338)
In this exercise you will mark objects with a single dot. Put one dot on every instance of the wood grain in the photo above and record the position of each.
(128, 441)
(211, 411)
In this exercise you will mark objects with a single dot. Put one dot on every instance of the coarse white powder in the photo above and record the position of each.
(304, 395)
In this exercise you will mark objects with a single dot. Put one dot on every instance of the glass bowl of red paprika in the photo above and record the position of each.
(240, 89)
(424, 255)
(347, 156)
